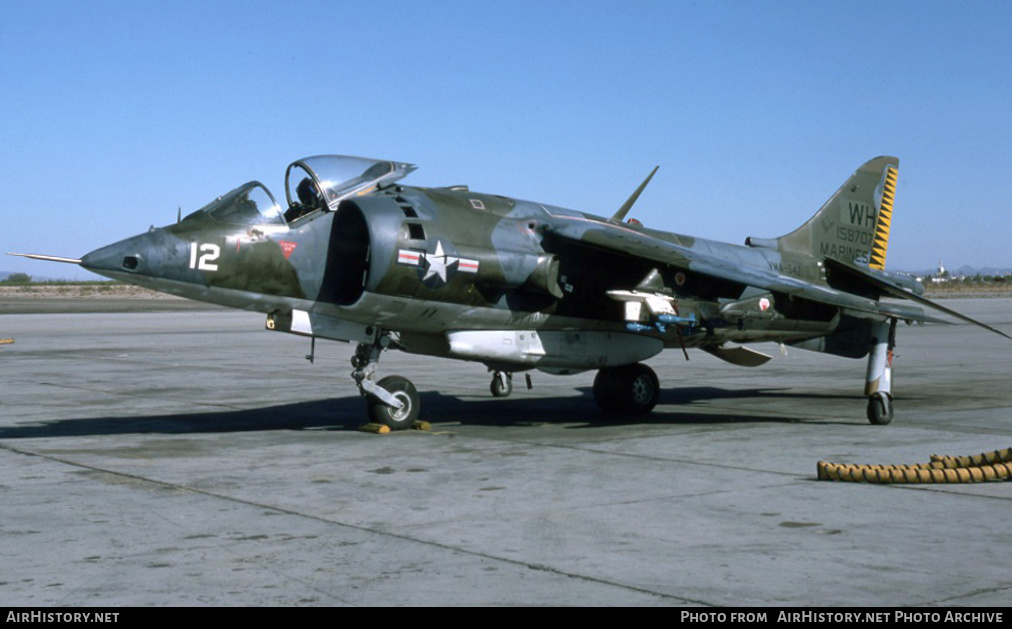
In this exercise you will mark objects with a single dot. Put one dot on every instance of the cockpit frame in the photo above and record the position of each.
(321, 182)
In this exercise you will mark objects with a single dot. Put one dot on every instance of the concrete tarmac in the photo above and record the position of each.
(194, 458)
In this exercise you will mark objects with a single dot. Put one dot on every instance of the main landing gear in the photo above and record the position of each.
(627, 390)
(393, 401)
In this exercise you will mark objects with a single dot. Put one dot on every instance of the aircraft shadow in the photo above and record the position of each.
(330, 413)
(584, 414)
(347, 413)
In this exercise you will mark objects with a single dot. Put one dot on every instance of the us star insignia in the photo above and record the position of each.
(437, 267)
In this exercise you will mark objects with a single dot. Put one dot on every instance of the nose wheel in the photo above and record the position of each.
(403, 391)
(393, 401)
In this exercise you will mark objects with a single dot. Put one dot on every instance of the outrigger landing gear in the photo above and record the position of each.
(878, 382)
(393, 401)
(502, 384)
(627, 390)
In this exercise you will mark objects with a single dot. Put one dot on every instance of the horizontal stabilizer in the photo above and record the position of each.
(741, 356)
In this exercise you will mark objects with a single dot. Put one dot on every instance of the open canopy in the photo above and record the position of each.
(323, 181)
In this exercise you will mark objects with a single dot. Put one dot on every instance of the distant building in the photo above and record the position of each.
(941, 275)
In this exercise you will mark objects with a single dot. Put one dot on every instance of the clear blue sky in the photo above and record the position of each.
(116, 113)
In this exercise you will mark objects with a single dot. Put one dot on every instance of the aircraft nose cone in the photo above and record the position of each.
(125, 256)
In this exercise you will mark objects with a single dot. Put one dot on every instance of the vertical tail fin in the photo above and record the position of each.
(853, 225)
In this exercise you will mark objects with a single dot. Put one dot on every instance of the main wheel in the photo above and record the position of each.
(502, 384)
(395, 418)
(627, 390)
(880, 408)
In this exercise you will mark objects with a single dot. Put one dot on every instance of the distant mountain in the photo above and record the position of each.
(969, 271)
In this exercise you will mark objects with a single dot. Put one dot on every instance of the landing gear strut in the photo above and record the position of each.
(878, 382)
(627, 390)
(393, 401)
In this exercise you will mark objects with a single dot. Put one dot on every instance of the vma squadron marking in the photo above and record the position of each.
(356, 256)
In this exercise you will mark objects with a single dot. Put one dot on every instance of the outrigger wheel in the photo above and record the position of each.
(395, 418)
(879, 379)
(627, 390)
(502, 384)
(880, 408)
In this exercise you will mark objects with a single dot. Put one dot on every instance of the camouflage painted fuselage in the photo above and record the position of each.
(427, 263)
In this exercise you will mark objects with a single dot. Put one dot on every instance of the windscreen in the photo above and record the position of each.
(249, 204)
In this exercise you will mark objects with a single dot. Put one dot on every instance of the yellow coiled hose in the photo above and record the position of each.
(982, 467)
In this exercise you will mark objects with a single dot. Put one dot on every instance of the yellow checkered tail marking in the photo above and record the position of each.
(885, 218)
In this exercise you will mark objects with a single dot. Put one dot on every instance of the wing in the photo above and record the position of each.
(616, 238)
(892, 290)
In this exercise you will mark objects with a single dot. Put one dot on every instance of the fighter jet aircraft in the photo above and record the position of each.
(356, 256)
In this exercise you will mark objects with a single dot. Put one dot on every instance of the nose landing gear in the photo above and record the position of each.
(404, 392)
(393, 401)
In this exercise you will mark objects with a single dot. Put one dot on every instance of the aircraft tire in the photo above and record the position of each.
(880, 409)
(396, 419)
(499, 388)
(627, 390)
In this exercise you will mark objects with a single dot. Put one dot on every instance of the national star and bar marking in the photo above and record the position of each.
(438, 263)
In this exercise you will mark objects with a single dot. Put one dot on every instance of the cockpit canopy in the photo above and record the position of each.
(323, 181)
(314, 183)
